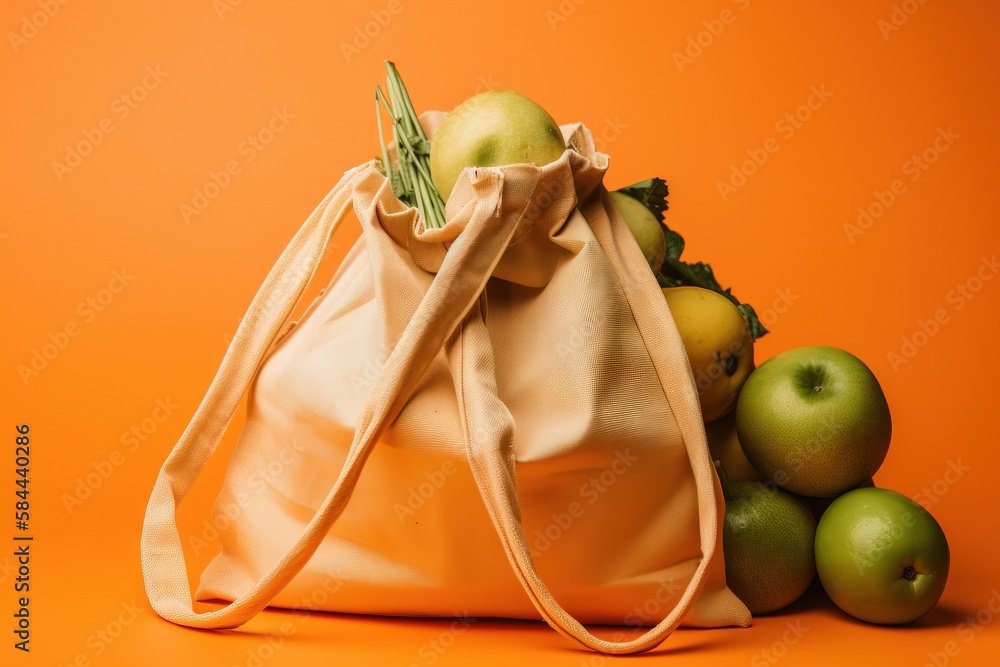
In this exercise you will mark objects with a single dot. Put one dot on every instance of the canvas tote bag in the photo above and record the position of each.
(515, 374)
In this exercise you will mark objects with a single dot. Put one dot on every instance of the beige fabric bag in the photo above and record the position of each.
(516, 373)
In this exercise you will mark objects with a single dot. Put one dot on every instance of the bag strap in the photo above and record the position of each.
(164, 571)
(492, 461)
(461, 278)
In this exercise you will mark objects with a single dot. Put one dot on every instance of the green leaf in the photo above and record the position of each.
(422, 147)
(700, 274)
(398, 188)
(750, 315)
(675, 243)
(652, 193)
(676, 272)
(668, 281)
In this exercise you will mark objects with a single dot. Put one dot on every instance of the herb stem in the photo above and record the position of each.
(415, 185)
(386, 165)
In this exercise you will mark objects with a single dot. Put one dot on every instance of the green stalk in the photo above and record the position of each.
(380, 96)
(396, 95)
(437, 207)
(405, 95)
(408, 156)
(412, 182)
(425, 198)
(405, 165)
(416, 188)
(386, 165)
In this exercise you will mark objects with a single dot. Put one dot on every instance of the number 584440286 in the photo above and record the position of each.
(22, 466)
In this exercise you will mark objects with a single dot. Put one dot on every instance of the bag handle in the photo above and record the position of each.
(164, 571)
(492, 462)
(461, 278)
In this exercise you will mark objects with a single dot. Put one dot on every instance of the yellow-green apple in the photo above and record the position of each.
(881, 557)
(645, 228)
(768, 541)
(495, 128)
(815, 420)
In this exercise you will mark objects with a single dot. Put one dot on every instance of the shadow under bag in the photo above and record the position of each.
(494, 418)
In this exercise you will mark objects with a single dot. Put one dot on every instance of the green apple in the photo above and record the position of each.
(645, 228)
(881, 557)
(814, 420)
(492, 129)
(768, 540)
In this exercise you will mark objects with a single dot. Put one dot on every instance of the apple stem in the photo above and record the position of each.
(909, 573)
(727, 490)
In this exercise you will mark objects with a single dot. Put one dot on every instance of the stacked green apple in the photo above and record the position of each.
(796, 440)
(810, 429)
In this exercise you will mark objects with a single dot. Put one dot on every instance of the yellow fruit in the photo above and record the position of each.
(647, 230)
(718, 344)
(491, 129)
(725, 448)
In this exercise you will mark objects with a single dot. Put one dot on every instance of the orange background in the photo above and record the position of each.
(611, 65)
